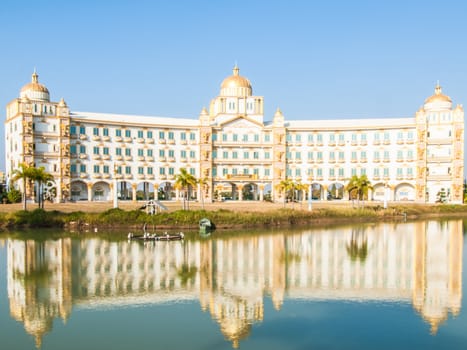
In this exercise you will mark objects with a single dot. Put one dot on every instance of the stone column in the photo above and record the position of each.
(240, 192)
(261, 192)
(89, 192)
(133, 192)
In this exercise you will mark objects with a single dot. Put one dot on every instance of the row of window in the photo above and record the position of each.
(341, 138)
(105, 169)
(128, 152)
(97, 131)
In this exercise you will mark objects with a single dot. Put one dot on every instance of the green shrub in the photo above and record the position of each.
(14, 196)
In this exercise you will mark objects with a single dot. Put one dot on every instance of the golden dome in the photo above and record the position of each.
(235, 80)
(35, 90)
(438, 96)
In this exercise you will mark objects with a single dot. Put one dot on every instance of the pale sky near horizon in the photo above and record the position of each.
(313, 59)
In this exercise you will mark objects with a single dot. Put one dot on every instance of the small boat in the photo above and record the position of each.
(146, 236)
(205, 226)
(157, 237)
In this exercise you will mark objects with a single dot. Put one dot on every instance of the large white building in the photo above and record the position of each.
(236, 152)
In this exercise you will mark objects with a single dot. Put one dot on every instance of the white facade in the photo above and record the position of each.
(236, 152)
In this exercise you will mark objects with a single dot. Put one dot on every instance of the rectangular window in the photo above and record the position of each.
(106, 169)
(118, 133)
(82, 168)
(73, 168)
(298, 172)
(140, 170)
(255, 155)
(224, 137)
(73, 149)
(256, 138)
(82, 149)
(310, 138)
(235, 137)
(399, 172)
(341, 172)
(95, 150)
(288, 172)
(128, 170)
(400, 155)
(267, 137)
(192, 136)
(118, 151)
(363, 155)
(319, 172)
(310, 155)
(225, 154)
(149, 134)
(332, 138)
(161, 135)
(96, 168)
(332, 155)
(183, 136)
(354, 137)
(267, 155)
(127, 133)
(376, 155)
(341, 138)
(409, 171)
(95, 131)
(267, 172)
(245, 138)
(224, 171)
(82, 130)
(73, 130)
(140, 152)
(214, 154)
(320, 138)
(149, 152)
(214, 172)
(319, 155)
(149, 170)
(214, 139)
(161, 171)
(410, 135)
(386, 155)
(298, 138)
(354, 155)
(386, 136)
(363, 137)
(105, 131)
(192, 154)
(234, 171)
(400, 135)
(171, 135)
(353, 172)
(331, 172)
(140, 134)
(341, 155)
(128, 151)
(362, 171)
(161, 153)
(182, 154)
(386, 172)
(288, 138)
(377, 136)
(246, 155)
(171, 153)
(376, 172)
(234, 155)
(246, 171)
(298, 155)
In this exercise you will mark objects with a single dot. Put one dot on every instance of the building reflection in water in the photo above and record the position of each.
(417, 262)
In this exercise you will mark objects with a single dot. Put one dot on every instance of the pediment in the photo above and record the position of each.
(241, 122)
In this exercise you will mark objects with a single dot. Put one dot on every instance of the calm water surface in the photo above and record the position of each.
(385, 286)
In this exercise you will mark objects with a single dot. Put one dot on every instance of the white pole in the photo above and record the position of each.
(115, 188)
(385, 202)
(309, 197)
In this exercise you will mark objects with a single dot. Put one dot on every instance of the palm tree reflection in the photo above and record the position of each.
(357, 248)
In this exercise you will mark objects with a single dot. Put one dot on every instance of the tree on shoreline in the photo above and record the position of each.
(185, 181)
(358, 187)
(42, 177)
(24, 173)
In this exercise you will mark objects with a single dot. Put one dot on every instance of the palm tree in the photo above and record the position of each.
(185, 181)
(24, 173)
(358, 187)
(42, 177)
(285, 186)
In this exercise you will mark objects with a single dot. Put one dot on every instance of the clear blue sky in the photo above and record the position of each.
(313, 59)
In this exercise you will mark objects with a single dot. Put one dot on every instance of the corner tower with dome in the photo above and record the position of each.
(37, 134)
(237, 151)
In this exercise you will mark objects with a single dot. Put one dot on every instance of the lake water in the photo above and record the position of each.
(384, 286)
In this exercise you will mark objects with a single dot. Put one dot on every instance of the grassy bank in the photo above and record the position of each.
(223, 218)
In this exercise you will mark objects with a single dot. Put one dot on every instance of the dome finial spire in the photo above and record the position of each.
(236, 69)
(437, 88)
(35, 77)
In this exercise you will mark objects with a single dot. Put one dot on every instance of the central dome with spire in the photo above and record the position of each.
(35, 90)
(236, 85)
(438, 101)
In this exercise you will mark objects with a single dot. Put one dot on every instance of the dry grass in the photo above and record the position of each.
(244, 206)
